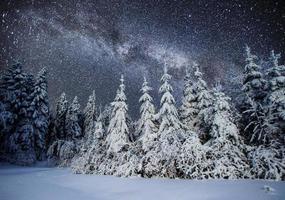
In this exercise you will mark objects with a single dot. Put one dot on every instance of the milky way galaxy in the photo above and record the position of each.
(87, 44)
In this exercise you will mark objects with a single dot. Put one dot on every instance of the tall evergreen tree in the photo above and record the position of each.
(254, 84)
(146, 126)
(226, 146)
(39, 109)
(19, 142)
(168, 114)
(254, 88)
(73, 129)
(118, 132)
(204, 103)
(90, 114)
(276, 96)
(60, 117)
(189, 109)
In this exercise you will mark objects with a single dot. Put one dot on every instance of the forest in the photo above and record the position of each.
(208, 136)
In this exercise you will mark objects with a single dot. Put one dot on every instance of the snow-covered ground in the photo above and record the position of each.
(40, 183)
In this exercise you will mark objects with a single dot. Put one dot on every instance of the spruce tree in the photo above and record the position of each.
(254, 88)
(39, 109)
(146, 126)
(118, 132)
(226, 147)
(168, 114)
(99, 129)
(276, 96)
(73, 129)
(204, 103)
(254, 84)
(19, 142)
(189, 109)
(60, 117)
(90, 114)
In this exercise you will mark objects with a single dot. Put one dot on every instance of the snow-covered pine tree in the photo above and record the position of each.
(62, 150)
(146, 126)
(161, 158)
(254, 88)
(193, 159)
(204, 103)
(19, 142)
(276, 96)
(99, 130)
(226, 147)
(189, 110)
(60, 116)
(168, 115)
(254, 84)
(118, 132)
(73, 129)
(39, 110)
(7, 116)
(90, 114)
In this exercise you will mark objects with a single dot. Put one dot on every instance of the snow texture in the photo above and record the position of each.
(28, 183)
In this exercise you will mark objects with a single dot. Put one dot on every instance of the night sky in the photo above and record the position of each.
(86, 45)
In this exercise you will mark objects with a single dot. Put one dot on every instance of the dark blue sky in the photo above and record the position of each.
(87, 44)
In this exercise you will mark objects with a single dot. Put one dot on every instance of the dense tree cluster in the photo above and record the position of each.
(24, 115)
(202, 139)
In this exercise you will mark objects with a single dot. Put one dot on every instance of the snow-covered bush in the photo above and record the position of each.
(61, 152)
(162, 159)
(268, 162)
(193, 158)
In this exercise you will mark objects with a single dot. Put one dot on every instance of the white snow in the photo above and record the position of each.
(33, 183)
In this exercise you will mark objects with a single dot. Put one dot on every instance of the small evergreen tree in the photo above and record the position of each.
(118, 131)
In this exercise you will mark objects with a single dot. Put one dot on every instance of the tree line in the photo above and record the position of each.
(206, 137)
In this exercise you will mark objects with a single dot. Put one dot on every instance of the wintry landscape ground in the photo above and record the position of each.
(60, 184)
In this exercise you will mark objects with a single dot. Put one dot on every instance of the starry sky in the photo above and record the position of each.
(87, 44)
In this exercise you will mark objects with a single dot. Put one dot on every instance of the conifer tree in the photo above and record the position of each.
(90, 114)
(39, 109)
(226, 146)
(60, 117)
(73, 129)
(118, 132)
(276, 96)
(254, 88)
(99, 130)
(204, 103)
(254, 84)
(168, 114)
(146, 126)
(189, 109)
(19, 142)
